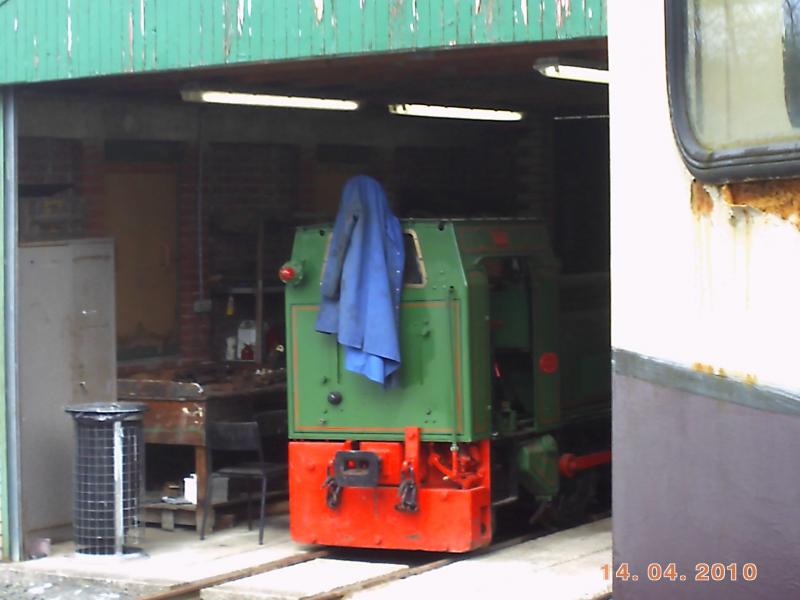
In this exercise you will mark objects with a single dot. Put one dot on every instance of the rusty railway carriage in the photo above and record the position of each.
(704, 223)
(504, 392)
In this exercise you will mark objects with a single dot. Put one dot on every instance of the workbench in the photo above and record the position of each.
(179, 413)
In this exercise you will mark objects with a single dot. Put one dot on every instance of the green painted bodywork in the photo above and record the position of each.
(43, 40)
(490, 295)
(537, 462)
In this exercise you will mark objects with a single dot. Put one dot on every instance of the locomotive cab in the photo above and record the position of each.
(498, 384)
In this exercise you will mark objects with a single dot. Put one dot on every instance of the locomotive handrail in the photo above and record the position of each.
(454, 396)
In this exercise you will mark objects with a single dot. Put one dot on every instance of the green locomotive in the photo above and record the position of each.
(503, 393)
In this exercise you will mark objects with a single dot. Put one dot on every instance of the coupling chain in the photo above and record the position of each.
(407, 492)
(333, 491)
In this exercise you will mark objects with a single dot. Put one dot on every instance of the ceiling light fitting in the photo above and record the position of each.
(551, 67)
(454, 112)
(246, 99)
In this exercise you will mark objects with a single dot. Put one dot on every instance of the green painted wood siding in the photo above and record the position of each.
(59, 39)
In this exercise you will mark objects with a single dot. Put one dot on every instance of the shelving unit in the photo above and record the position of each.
(251, 297)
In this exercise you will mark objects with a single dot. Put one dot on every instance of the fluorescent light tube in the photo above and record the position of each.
(551, 68)
(454, 112)
(219, 97)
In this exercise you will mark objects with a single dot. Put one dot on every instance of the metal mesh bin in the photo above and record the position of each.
(108, 478)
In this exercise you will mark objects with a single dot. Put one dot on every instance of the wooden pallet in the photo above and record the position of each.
(221, 516)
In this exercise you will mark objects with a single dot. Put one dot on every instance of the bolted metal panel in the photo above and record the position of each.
(85, 38)
(449, 322)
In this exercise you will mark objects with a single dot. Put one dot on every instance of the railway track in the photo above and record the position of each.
(192, 589)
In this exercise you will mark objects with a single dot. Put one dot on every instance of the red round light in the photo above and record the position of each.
(286, 274)
(548, 363)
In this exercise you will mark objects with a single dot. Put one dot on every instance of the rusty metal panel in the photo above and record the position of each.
(85, 38)
(175, 422)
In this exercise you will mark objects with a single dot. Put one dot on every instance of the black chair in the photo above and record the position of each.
(241, 438)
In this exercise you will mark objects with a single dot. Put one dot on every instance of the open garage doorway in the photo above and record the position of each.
(202, 202)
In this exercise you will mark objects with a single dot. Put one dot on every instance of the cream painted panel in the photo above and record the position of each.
(714, 289)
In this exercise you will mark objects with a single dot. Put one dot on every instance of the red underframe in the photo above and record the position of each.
(451, 517)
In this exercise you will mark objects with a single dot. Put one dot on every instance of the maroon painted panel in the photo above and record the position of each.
(700, 480)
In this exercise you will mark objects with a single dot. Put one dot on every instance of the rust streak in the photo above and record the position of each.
(746, 378)
(708, 369)
(777, 197)
(702, 204)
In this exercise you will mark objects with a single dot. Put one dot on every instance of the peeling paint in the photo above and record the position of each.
(155, 40)
(777, 197)
(130, 41)
(563, 11)
(701, 202)
(69, 35)
(226, 31)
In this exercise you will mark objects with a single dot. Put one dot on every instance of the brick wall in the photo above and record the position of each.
(456, 181)
(286, 185)
(48, 161)
(194, 328)
(245, 182)
(90, 184)
(534, 162)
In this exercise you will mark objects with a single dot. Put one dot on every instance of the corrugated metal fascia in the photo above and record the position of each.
(63, 39)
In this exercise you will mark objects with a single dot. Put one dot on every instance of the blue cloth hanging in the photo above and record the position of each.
(362, 281)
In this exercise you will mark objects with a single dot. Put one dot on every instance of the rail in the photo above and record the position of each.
(192, 588)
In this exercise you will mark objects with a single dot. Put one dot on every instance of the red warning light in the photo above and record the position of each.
(499, 237)
(286, 273)
(548, 363)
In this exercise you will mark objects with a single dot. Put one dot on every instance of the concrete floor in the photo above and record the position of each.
(566, 565)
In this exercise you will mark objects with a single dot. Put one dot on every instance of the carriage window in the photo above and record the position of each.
(734, 75)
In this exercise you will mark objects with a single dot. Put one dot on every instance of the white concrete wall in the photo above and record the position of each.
(716, 291)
